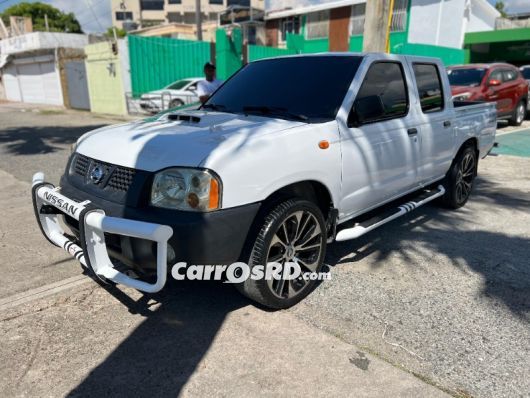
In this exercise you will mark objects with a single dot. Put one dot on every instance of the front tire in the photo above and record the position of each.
(175, 103)
(519, 114)
(459, 180)
(294, 231)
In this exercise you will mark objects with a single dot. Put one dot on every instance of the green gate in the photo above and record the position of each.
(157, 61)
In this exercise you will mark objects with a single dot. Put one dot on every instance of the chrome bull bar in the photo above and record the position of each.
(91, 251)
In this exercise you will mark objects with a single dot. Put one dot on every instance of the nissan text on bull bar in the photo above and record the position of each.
(287, 156)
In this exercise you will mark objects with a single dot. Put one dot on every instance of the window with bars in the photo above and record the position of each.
(399, 17)
(124, 16)
(317, 26)
(289, 25)
(357, 19)
(152, 4)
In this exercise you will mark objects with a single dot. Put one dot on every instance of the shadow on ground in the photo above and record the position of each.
(159, 356)
(41, 140)
(501, 259)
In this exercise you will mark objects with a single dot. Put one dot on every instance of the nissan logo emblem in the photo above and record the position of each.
(97, 175)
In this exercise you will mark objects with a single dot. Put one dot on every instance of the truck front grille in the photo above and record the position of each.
(115, 177)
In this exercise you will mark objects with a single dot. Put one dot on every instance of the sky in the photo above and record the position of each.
(95, 15)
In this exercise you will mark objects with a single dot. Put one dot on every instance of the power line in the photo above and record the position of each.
(94, 15)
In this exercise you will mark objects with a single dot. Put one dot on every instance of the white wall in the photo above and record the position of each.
(42, 40)
(437, 22)
(482, 17)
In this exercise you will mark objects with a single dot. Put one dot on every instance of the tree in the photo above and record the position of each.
(58, 21)
(121, 33)
(501, 7)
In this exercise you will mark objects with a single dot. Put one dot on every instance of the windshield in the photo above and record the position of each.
(466, 76)
(526, 73)
(178, 85)
(309, 88)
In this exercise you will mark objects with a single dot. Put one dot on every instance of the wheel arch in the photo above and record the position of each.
(311, 190)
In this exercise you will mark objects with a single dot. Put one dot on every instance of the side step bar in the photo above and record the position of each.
(369, 225)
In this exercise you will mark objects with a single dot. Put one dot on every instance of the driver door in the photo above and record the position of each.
(380, 148)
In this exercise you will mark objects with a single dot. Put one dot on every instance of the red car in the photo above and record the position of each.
(502, 83)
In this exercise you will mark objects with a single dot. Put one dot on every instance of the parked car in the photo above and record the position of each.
(173, 95)
(500, 83)
(525, 71)
(270, 168)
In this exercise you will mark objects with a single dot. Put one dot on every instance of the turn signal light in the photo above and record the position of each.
(214, 194)
(323, 144)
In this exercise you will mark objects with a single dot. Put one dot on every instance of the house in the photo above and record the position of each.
(421, 27)
(45, 68)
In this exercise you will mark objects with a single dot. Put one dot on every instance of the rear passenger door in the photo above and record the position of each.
(436, 137)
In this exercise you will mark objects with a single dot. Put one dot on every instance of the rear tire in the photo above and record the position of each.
(460, 178)
(295, 231)
(519, 114)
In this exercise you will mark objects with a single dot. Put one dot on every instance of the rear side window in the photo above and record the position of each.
(386, 80)
(509, 75)
(429, 87)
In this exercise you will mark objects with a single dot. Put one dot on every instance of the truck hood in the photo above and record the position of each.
(155, 145)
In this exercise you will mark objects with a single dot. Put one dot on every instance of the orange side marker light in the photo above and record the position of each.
(324, 144)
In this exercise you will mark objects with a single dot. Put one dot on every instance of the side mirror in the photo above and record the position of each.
(365, 110)
(494, 82)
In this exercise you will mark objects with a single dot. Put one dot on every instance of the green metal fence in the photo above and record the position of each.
(259, 52)
(157, 61)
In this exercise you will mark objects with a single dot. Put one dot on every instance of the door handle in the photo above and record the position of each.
(447, 123)
(412, 132)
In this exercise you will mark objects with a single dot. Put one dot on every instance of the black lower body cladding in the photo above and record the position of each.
(198, 238)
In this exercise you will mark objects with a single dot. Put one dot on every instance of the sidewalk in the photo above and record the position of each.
(196, 338)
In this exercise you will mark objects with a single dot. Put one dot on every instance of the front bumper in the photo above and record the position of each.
(141, 237)
(91, 251)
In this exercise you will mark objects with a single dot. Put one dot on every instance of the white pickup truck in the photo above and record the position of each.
(287, 156)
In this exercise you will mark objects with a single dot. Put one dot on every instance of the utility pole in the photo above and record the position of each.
(377, 25)
(46, 22)
(198, 21)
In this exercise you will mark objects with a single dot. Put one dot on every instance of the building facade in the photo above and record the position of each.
(420, 27)
(146, 13)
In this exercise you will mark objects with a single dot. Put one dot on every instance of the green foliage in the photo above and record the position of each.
(58, 21)
(121, 33)
(501, 7)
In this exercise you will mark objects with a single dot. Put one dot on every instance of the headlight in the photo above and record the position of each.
(461, 97)
(186, 189)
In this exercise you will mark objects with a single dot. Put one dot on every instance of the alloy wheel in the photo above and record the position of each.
(298, 239)
(464, 179)
(520, 113)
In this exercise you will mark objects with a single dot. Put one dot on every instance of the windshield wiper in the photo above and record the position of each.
(214, 107)
(274, 110)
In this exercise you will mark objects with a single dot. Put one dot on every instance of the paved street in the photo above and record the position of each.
(434, 303)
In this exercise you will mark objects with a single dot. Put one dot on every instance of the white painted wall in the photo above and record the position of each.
(445, 22)
(42, 40)
(437, 22)
(482, 16)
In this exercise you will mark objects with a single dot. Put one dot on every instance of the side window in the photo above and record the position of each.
(509, 75)
(429, 87)
(383, 94)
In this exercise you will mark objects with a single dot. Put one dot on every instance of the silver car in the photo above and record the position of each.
(176, 94)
